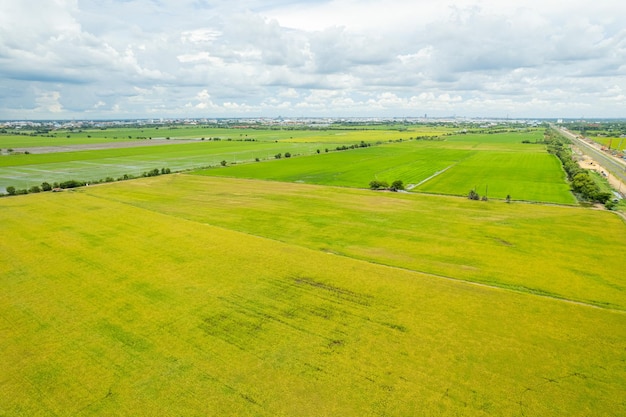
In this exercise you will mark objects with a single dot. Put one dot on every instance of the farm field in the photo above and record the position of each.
(330, 135)
(411, 161)
(498, 164)
(530, 248)
(234, 146)
(525, 176)
(23, 171)
(142, 298)
(615, 143)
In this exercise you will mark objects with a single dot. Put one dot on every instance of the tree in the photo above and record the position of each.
(34, 189)
(397, 185)
(46, 186)
(473, 195)
(278, 155)
(11, 190)
(223, 163)
(508, 198)
(377, 185)
(287, 155)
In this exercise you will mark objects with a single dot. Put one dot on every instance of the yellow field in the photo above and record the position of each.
(112, 309)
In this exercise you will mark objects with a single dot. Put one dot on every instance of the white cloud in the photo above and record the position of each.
(111, 58)
(49, 102)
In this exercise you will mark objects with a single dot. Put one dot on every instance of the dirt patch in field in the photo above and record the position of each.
(101, 146)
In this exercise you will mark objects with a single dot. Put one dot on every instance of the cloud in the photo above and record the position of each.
(69, 58)
(49, 102)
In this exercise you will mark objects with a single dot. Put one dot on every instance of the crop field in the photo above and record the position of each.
(23, 171)
(524, 176)
(50, 160)
(331, 135)
(145, 298)
(503, 244)
(614, 142)
(413, 162)
(285, 287)
(497, 165)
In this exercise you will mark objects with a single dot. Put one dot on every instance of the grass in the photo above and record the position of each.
(525, 176)
(616, 143)
(23, 171)
(335, 134)
(499, 164)
(531, 248)
(235, 146)
(412, 162)
(111, 308)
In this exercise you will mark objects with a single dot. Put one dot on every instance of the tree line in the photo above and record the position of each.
(57, 186)
(581, 181)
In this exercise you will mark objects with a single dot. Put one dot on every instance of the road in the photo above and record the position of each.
(614, 166)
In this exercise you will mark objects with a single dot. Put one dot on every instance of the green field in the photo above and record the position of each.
(497, 165)
(285, 287)
(234, 146)
(335, 134)
(411, 161)
(188, 295)
(524, 176)
(494, 164)
(503, 244)
(23, 171)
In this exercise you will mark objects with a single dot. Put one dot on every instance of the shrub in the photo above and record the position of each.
(71, 184)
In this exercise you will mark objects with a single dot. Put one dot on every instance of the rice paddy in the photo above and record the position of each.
(285, 287)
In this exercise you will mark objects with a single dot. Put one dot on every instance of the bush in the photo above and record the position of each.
(34, 189)
(46, 186)
(71, 184)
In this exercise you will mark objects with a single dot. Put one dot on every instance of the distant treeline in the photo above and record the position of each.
(58, 186)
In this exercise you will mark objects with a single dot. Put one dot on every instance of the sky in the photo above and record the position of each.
(121, 59)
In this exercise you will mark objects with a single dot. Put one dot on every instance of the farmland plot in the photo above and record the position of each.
(113, 309)
(524, 176)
